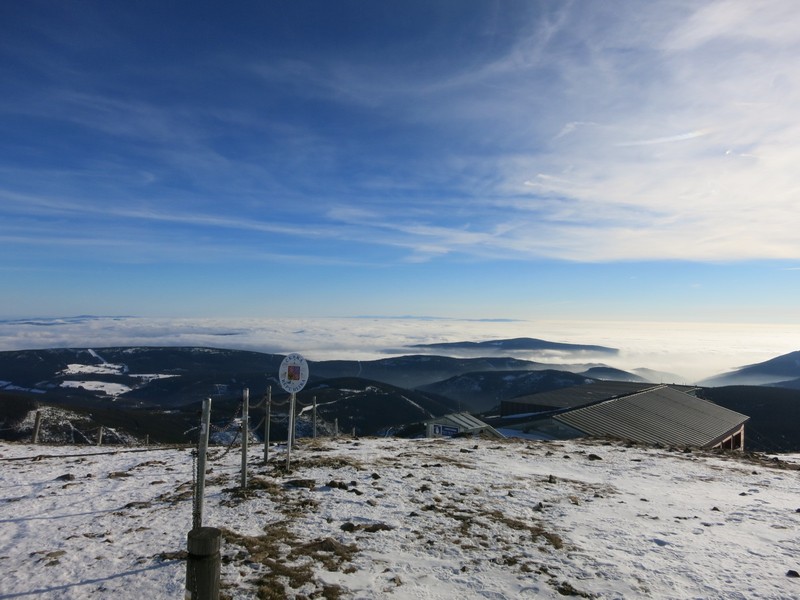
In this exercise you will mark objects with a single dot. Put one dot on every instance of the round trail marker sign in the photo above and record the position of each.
(293, 373)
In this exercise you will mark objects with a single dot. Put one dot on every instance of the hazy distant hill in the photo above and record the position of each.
(782, 368)
(483, 390)
(609, 373)
(413, 371)
(372, 406)
(517, 344)
(774, 414)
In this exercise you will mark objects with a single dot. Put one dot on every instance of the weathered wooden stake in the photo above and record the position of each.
(266, 424)
(203, 564)
(202, 451)
(37, 425)
(336, 427)
(100, 436)
(245, 433)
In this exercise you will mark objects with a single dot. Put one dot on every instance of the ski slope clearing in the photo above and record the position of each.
(392, 518)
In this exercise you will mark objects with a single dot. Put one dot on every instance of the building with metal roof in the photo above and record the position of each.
(461, 423)
(660, 415)
(569, 397)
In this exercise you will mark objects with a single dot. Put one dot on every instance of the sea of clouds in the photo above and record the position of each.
(692, 351)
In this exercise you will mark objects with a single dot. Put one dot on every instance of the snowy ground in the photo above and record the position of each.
(389, 518)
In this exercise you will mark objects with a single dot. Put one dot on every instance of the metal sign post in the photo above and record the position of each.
(293, 375)
(290, 434)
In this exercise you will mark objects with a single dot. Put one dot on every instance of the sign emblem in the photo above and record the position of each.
(293, 373)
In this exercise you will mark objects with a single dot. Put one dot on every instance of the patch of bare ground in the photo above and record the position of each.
(281, 564)
(277, 563)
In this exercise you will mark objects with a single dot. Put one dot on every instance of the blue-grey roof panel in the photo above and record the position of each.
(658, 415)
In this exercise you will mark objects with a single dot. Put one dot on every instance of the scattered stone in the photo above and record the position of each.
(302, 483)
(466, 451)
(715, 509)
(375, 476)
(375, 527)
(792, 573)
(551, 478)
(65, 477)
(594, 457)
(371, 528)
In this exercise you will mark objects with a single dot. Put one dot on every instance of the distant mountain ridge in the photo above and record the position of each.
(784, 368)
(157, 391)
(517, 344)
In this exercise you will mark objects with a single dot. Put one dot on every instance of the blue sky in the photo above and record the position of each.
(566, 160)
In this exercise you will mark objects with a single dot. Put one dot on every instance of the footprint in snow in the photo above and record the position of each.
(660, 542)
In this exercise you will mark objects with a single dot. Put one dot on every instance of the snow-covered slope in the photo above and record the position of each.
(392, 518)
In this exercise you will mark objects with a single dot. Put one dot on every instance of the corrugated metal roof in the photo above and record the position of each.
(579, 395)
(464, 420)
(658, 415)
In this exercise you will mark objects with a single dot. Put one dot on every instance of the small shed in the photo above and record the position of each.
(461, 423)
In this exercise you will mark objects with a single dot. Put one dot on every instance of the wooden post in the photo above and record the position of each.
(100, 436)
(336, 427)
(354, 431)
(245, 433)
(37, 425)
(315, 417)
(203, 564)
(290, 434)
(266, 424)
(146, 439)
(202, 451)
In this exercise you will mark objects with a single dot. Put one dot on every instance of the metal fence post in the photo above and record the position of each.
(266, 424)
(245, 433)
(202, 451)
